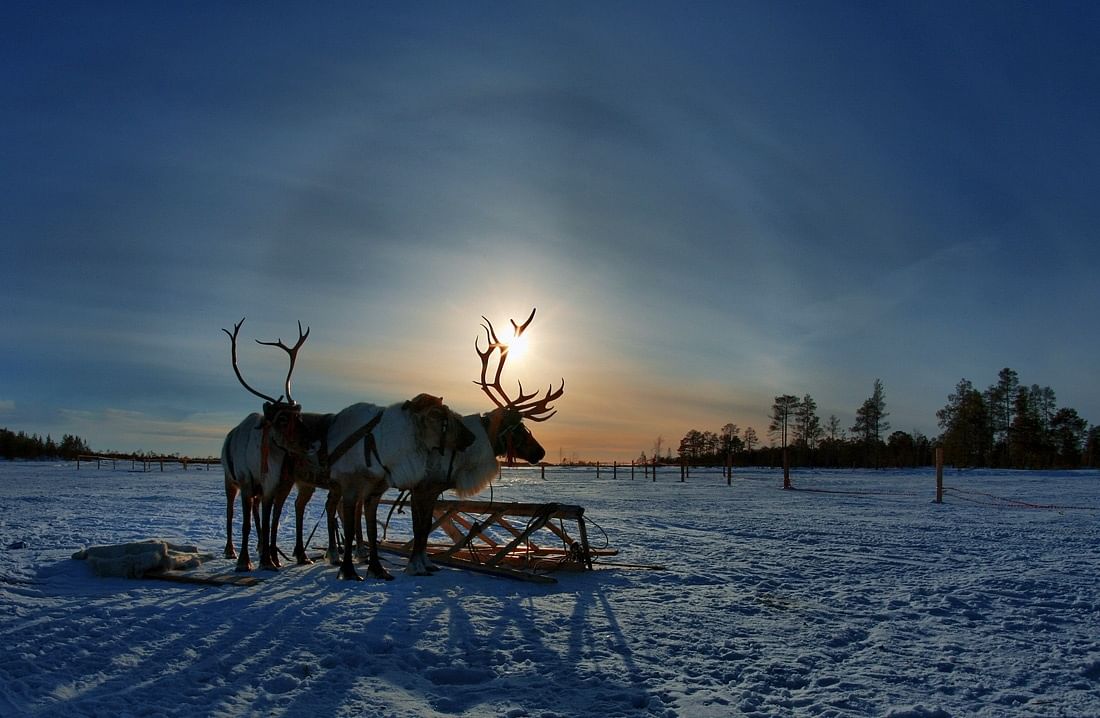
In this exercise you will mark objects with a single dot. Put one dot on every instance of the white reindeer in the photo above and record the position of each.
(243, 462)
(253, 464)
(376, 447)
(500, 432)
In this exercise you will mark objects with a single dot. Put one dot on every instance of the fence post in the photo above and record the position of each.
(729, 469)
(654, 469)
(939, 475)
(631, 469)
(786, 470)
(597, 469)
(544, 471)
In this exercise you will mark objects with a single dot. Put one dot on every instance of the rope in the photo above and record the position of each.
(855, 493)
(399, 506)
(1002, 502)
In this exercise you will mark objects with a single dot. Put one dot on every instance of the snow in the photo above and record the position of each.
(876, 602)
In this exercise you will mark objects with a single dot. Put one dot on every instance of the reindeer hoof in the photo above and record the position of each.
(244, 567)
(381, 573)
(230, 553)
(420, 566)
(349, 575)
(305, 561)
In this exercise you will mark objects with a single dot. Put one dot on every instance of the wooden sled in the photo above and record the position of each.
(515, 540)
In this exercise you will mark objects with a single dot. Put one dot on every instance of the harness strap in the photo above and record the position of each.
(370, 447)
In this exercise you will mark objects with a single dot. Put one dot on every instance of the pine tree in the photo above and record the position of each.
(871, 421)
(1000, 398)
(783, 413)
(965, 421)
(749, 437)
(807, 424)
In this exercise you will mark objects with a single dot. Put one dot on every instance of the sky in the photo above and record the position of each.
(710, 205)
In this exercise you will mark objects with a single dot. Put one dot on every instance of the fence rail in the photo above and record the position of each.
(146, 463)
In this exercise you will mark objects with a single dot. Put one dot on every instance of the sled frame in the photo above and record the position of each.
(500, 538)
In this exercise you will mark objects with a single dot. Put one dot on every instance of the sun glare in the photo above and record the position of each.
(517, 347)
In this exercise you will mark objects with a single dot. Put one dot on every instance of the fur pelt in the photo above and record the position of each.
(475, 467)
(134, 560)
(403, 442)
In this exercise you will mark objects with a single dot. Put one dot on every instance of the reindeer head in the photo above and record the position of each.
(504, 424)
(284, 417)
(438, 427)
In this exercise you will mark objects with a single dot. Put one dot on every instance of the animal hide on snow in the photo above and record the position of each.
(133, 560)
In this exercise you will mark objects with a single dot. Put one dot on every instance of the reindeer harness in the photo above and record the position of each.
(320, 461)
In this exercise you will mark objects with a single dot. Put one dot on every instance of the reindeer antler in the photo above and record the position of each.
(292, 351)
(523, 403)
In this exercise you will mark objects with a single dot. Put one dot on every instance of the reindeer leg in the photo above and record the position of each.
(276, 515)
(347, 567)
(374, 565)
(244, 563)
(255, 509)
(305, 493)
(230, 499)
(332, 504)
(265, 534)
(423, 502)
(360, 545)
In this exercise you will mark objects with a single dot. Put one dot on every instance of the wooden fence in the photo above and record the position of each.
(146, 463)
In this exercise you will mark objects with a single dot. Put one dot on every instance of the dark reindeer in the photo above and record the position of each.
(499, 433)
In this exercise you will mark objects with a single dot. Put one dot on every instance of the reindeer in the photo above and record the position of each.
(500, 432)
(253, 463)
(376, 447)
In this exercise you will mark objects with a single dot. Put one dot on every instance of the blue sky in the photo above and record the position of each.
(709, 203)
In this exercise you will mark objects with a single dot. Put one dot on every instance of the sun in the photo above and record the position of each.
(517, 346)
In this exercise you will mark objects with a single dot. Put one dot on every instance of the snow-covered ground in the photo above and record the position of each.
(872, 603)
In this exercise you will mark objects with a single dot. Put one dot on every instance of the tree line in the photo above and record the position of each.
(22, 446)
(1013, 425)
(1009, 425)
